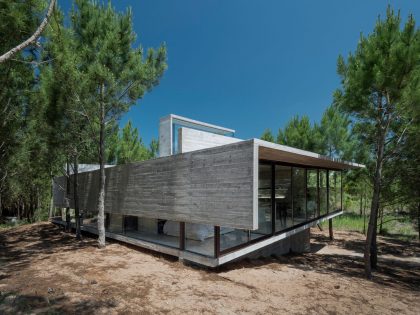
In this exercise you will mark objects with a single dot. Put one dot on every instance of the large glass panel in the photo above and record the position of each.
(335, 191)
(230, 238)
(161, 232)
(299, 195)
(264, 202)
(323, 192)
(199, 238)
(283, 189)
(311, 194)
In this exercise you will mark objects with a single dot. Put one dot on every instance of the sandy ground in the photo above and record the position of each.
(45, 271)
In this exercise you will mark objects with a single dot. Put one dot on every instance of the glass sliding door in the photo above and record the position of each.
(283, 197)
(311, 194)
(299, 195)
(264, 201)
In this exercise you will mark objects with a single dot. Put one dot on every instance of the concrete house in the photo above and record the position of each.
(211, 198)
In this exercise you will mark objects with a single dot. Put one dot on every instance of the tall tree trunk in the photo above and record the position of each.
(76, 196)
(68, 219)
(370, 261)
(374, 250)
(381, 220)
(51, 214)
(1, 208)
(418, 218)
(101, 198)
(361, 202)
(364, 213)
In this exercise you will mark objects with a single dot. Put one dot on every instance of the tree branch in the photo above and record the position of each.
(31, 39)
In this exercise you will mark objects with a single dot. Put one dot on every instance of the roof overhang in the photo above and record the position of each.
(281, 153)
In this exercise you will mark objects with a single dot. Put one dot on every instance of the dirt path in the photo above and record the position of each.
(43, 270)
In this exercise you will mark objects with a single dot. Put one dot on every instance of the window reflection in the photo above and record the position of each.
(299, 195)
(312, 194)
(264, 201)
(283, 193)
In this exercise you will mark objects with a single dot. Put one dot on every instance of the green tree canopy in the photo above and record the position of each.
(267, 136)
(298, 133)
(380, 82)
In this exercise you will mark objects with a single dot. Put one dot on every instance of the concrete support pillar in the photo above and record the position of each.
(301, 242)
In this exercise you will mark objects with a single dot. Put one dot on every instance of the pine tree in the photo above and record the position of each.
(130, 147)
(115, 74)
(298, 133)
(380, 82)
(267, 136)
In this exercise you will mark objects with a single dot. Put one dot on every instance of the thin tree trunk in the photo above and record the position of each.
(361, 203)
(374, 251)
(381, 221)
(369, 260)
(364, 213)
(418, 218)
(76, 197)
(50, 215)
(101, 198)
(1, 208)
(68, 219)
(6, 56)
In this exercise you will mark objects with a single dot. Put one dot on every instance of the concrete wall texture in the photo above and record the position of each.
(214, 186)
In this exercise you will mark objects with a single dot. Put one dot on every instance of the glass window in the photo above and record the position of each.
(264, 202)
(161, 232)
(283, 189)
(335, 190)
(199, 238)
(311, 194)
(230, 238)
(323, 192)
(299, 195)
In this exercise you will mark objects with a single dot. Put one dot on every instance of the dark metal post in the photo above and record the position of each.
(341, 175)
(318, 201)
(330, 226)
(306, 192)
(216, 241)
(182, 235)
(291, 191)
(273, 198)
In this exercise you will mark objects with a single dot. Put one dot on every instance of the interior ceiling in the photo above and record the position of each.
(278, 155)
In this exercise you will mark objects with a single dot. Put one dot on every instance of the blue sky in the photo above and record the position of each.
(248, 65)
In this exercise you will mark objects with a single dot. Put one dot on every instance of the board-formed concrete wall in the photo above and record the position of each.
(214, 186)
(191, 140)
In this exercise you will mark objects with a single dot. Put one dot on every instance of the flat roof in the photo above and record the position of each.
(173, 116)
(282, 153)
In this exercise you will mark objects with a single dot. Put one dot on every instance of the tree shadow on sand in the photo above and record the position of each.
(12, 303)
(391, 273)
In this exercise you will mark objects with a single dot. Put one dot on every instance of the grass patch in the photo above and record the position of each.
(401, 227)
(8, 225)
